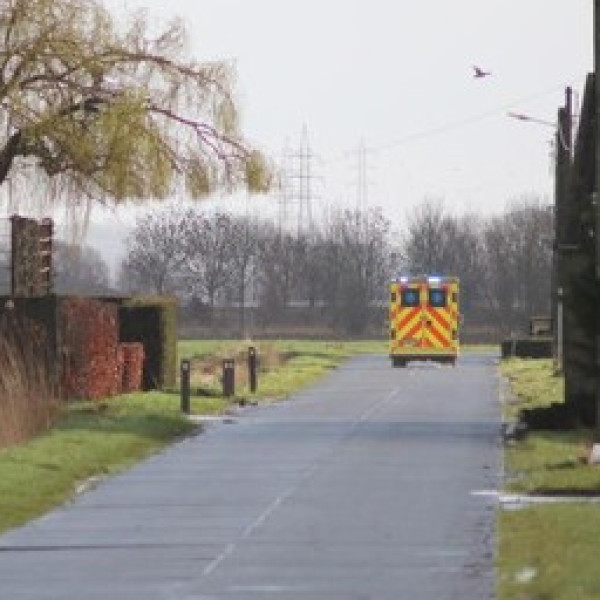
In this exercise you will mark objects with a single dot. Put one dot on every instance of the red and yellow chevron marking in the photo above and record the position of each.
(424, 330)
(440, 327)
(407, 324)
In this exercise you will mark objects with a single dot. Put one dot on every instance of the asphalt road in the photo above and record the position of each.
(364, 486)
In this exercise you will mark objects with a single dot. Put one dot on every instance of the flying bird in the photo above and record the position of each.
(480, 73)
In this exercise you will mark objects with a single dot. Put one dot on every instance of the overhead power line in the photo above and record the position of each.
(450, 126)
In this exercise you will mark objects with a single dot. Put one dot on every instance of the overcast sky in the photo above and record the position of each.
(398, 77)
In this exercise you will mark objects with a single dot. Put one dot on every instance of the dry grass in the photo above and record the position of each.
(27, 402)
(206, 370)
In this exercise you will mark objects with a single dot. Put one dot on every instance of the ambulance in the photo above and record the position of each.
(424, 318)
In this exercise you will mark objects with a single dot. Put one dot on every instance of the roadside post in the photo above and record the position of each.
(228, 377)
(252, 367)
(185, 386)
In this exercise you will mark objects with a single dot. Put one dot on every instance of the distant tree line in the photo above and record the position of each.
(78, 270)
(504, 262)
(337, 274)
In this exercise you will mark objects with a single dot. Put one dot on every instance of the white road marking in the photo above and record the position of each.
(515, 501)
(273, 506)
(229, 549)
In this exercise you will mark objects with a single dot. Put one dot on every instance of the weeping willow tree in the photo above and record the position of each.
(92, 111)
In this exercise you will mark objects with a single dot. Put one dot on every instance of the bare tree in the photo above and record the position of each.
(354, 266)
(306, 263)
(328, 273)
(518, 254)
(243, 251)
(105, 115)
(467, 260)
(500, 279)
(436, 242)
(155, 253)
(462, 256)
(208, 255)
(423, 244)
(80, 270)
(276, 260)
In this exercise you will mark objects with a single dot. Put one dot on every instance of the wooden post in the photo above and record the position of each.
(185, 386)
(252, 368)
(228, 378)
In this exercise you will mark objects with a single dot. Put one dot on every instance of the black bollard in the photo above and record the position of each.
(228, 377)
(185, 386)
(252, 366)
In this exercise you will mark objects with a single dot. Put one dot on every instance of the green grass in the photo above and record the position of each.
(302, 369)
(90, 439)
(533, 383)
(309, 361)
(559, 544)
(200, 348)
(204, 348)
(480, 348)
(545, 461)
(334, 348)
(552, 462)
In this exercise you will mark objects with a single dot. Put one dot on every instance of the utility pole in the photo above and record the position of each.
(597, 196)
(562, 214)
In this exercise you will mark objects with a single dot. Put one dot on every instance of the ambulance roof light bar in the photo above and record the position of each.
(431, 279)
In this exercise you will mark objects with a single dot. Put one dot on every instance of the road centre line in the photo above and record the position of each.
(281, 498)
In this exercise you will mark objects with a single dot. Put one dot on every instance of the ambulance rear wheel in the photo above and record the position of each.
(398, 362)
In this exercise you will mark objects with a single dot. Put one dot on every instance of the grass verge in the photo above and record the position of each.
(547, 551)
(544, 461)
(533, 385)
(90, 439)
(285, 366)
(93, 439)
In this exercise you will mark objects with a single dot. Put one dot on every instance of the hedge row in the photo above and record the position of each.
(527, 347)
